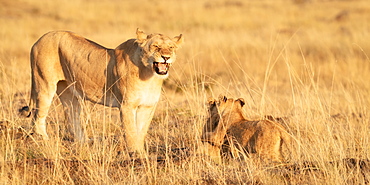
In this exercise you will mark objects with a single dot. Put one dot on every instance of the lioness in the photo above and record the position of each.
(129, 77)
(227, 123)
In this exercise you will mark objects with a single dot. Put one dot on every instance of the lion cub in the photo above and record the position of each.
(227, 123)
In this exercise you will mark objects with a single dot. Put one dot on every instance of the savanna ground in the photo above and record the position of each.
(305, 60)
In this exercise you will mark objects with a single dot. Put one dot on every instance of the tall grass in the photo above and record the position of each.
(305, 61)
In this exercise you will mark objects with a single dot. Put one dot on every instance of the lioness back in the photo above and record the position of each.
(63, 55)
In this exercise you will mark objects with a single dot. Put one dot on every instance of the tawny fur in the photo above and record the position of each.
(129, 77)
(228, 126)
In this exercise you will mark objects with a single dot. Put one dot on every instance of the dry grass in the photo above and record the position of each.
(307, 60)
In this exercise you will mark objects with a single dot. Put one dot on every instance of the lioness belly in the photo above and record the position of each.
(95, 96)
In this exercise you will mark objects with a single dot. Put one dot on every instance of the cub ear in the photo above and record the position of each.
(178, 40)
(141, 36)
(241, 101)
(222, 98)
(211, 101)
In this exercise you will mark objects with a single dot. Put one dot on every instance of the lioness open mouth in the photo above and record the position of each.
(161, 68)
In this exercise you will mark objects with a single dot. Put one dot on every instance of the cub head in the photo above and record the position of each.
(222, 108)
(158, 51)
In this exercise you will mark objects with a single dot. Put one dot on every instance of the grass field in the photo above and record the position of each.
(305, 60)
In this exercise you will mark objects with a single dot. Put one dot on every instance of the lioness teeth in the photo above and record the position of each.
(161, 67)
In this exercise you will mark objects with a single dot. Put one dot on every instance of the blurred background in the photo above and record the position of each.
(249, 44)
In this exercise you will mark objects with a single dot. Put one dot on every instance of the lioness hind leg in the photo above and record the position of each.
(72, 109)
(43, 100)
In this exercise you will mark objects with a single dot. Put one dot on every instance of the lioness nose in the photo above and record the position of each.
(165, 58)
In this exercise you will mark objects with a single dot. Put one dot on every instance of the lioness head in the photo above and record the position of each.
(159, 51)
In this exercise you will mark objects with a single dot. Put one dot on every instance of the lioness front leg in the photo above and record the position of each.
(128, 118)
(136, 122)
(144, 115)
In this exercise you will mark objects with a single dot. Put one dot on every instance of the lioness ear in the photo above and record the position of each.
(241, 101)
(178, 40)
(141, 36)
